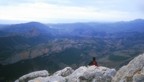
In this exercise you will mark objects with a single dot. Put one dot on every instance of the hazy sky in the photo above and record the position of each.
(54, 11)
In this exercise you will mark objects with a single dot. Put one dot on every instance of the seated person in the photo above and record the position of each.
(93, 62)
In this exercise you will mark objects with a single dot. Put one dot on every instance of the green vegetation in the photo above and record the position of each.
(69, 56)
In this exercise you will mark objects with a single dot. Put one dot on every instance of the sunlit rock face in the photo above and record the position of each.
(82, 74)
(49, 79)
(133, 72)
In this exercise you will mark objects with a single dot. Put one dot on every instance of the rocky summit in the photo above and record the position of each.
(133, 72)
(82, 74)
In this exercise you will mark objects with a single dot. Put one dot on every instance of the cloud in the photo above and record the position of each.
(141, 5)
(12, 2)
(56, 11)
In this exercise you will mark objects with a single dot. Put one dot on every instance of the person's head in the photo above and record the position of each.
(94, 58)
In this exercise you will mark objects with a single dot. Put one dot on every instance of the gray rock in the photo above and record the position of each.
(27, 77)
(133, 72)
(92, 74)
(138, 78)
(65, 72)
(82, 74)
(49, 79)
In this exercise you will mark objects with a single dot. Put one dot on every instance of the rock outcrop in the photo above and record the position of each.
(133, 72)
(82, 74)
(65, 72)
(27, 77)
(91, 74)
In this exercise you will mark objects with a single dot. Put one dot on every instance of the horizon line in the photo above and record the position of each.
(4, 22)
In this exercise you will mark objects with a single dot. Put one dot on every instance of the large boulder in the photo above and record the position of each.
(133, 72)
(92, 74)
(27, 77)
(58, 76)
(74, 77)
(49, 79)
(65, 72)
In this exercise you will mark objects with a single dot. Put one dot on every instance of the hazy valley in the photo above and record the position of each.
(35, 46)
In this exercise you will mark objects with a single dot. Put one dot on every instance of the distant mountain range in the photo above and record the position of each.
(33, 46)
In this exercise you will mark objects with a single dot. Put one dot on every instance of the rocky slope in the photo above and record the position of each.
(133, 72)
(82, 74)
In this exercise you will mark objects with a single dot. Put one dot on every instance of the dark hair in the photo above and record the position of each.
(94, 58)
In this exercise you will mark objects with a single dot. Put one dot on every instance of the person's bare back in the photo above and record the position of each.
(93, 62)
